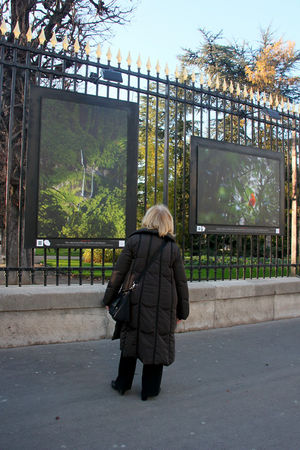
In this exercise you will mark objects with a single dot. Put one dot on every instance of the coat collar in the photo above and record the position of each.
(153, 232)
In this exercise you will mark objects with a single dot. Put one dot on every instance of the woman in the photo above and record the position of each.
(158, 301)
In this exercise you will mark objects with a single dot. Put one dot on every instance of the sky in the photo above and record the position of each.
(159, 29)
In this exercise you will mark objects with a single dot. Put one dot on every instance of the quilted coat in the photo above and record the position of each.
(159, 299)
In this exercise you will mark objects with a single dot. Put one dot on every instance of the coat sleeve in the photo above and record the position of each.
(119, 274)
(181, 287)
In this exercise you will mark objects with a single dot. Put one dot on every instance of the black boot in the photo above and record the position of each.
(115, 386)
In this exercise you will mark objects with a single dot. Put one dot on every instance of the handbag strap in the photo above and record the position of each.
(150, 262)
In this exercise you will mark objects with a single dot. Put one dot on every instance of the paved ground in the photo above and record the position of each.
(235, 388)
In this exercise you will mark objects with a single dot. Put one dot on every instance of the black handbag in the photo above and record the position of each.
(119, 309)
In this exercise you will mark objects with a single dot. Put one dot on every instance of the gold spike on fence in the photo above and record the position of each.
(271, 100)
(139, 62)
(148, 65)
(98, 51)
(167, 71)
(119, 57)
(129, 60)
(209, 81)
(157, 67)
(76, 46)
(53, 40)
(65, 43)
(42, 37)
(3, 27)
(29, 34)
(87, 48)
(224, 85)
(108, 54)
(17, 31)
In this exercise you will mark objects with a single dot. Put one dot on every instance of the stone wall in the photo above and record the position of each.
(32, 315)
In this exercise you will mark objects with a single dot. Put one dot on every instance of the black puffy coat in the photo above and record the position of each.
(160, 298)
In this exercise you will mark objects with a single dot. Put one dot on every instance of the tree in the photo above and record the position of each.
(77, 19)
(269, 68)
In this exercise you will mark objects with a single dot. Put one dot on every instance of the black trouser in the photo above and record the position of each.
(151, 377)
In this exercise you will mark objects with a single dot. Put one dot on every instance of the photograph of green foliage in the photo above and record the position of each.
(237, 186)
(82, 171)
(243, 189)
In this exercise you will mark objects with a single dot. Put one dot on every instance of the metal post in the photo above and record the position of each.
(166, 145)
(294, 204)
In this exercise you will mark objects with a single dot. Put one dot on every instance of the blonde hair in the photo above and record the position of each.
(159, 218)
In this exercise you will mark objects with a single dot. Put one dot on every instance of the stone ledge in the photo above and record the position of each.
(36, 314)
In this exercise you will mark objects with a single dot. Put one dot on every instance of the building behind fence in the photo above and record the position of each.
(171, 109)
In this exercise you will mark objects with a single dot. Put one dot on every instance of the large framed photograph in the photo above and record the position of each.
(235, 189)
(82, 170)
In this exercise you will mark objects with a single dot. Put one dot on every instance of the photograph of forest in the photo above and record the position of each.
(237, 189)
(83, 170)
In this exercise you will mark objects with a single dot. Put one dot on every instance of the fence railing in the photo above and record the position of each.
(170, 111)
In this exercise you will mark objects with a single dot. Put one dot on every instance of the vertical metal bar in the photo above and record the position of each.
(251, 256)
(57, 267)
(146, 148)
(258, 257)
(217, 120)
(207, 256)
(288, 203)
(92, 266)
(45, 267)
(216, 257)
(175, 160)
(230, 257)
(199, 256)
(276, 256)
(103, 266)
(244, 258)
(208, 113)
(22, 160)
(166, 144)
(201, 112)
(223, 258)
(156, 141)
(10, 153)
(80, 266)
(191, 259)
(32, 270)
(184, 173)
(238, 257)
(86, 74)
(69, 266)
(264, 259)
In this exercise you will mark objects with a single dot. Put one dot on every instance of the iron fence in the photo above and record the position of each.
(170, 111)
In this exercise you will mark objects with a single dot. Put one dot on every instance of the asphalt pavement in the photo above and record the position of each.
(235, 388)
